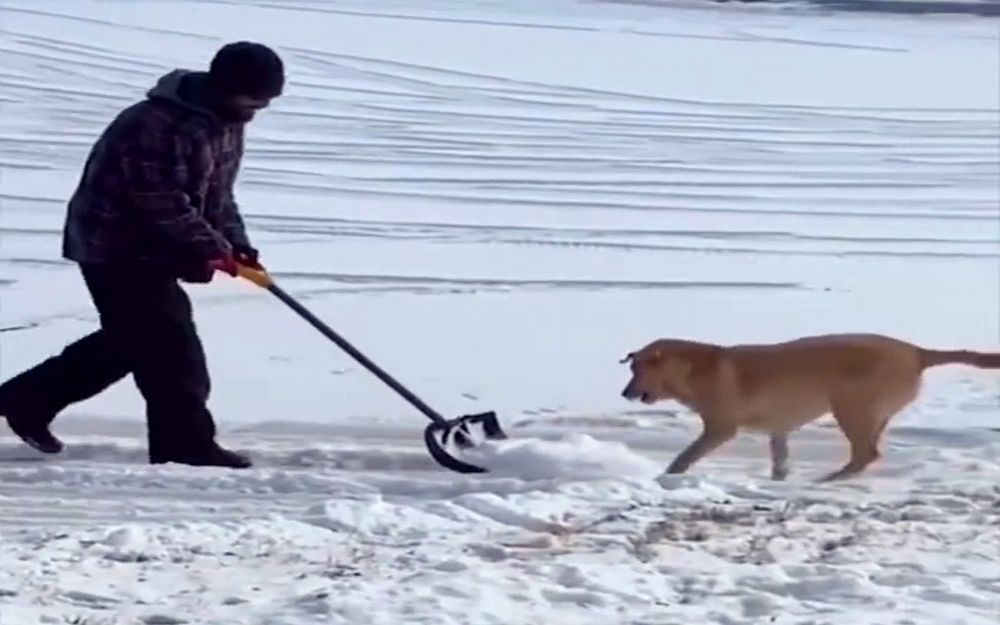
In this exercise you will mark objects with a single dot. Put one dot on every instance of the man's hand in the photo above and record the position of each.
(247, 256)
(227, 264)
(230, 264)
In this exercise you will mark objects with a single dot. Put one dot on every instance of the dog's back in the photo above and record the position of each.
(782, 386)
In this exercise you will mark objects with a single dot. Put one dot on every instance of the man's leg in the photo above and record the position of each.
(152, 322)
(172, 375)
(33, 398)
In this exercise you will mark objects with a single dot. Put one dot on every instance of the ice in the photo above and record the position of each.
(496, 201)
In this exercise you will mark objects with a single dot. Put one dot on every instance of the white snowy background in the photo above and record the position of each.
(496, 200)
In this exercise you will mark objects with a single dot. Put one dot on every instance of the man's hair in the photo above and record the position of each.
(247, 68)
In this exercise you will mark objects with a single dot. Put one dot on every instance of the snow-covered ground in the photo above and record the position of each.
(496, 200)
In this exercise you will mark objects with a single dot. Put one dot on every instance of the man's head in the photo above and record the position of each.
(244, 77)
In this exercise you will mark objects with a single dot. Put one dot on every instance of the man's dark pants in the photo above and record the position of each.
(147, 330)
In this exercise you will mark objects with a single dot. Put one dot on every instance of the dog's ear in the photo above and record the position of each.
(652, 357)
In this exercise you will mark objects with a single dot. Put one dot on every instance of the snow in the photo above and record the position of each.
(496, 201)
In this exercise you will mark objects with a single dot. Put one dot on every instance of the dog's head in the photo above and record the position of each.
(661, 371)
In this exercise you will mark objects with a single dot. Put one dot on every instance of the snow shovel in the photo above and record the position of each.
(458, 429)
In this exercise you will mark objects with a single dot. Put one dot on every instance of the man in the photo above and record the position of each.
(155, 205)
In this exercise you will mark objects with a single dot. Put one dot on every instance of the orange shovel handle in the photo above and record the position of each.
(257, 276)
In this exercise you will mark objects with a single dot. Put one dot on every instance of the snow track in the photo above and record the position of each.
(496, 201)
(572, 529)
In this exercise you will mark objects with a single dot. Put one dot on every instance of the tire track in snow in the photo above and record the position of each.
(403, 138)
(436, 181)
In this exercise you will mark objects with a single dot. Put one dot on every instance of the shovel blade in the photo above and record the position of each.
(459, 431)
(460, 428)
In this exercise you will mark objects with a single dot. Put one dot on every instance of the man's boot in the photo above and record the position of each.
(212, 456)
(35, 432)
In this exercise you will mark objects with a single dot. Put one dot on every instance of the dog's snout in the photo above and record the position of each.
(632, 393)
(629, 391)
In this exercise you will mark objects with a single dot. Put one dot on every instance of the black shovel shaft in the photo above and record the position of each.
(329, 333)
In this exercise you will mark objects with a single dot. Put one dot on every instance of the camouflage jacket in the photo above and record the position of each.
(158, 184)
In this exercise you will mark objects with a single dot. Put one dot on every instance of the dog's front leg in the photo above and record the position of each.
(779, 456)
(710, 439)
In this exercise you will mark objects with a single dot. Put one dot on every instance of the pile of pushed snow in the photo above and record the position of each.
(575, 456)
(533, 484)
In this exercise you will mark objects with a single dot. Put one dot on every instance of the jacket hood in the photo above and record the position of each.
(185, 88)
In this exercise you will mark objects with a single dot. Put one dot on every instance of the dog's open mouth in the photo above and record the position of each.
(643, 397)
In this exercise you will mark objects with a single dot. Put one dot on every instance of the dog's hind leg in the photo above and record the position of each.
(862, 455)
(779, 455)
(861, 425)
(710, 439)
(864, 423)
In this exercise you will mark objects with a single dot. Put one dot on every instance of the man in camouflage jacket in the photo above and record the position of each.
(155, 205)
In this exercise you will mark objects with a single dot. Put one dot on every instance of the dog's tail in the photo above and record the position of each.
(983, 360)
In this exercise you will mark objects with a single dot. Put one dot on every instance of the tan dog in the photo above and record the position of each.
(863, 379)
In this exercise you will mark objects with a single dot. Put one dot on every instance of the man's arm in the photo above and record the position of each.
(233, 227)
(155, 168)
(231, 221)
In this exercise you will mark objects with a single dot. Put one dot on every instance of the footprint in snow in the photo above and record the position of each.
(162, 619)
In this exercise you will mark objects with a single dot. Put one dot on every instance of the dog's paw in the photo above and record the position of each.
(674, 481)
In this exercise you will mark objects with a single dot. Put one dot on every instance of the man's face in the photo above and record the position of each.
(240, 108)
